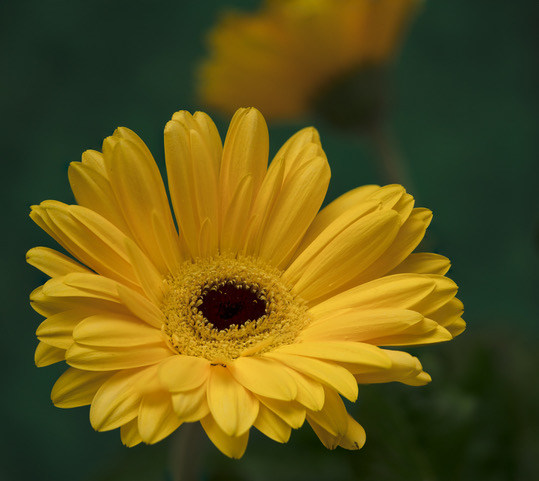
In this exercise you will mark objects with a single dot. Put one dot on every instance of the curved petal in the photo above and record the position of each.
(444, 290)
(193, 156)
(264, 377)
(396, 291)
(46, 354)
(232, 446)
(140, 192)
(334, 210)
(117, 401)
(53, 263)
(449, 316)
(57, 330)
(310, 251)
(112, 358)
(273, 426)
(232, 406)
(355, 436)
(405, 368)
(89, 237)
(327, 373)
(339, 351)
(156, 417)
(191, 406)
(299, 199)
(115, 331)
(184, 373)
(245, 155)
(76, 388)
(129, 433)
(91, 187)
(292, 413)
(332, 418)
(423, 263)
(353, 439)
(349, 253)
(408, 238)
(140, 306)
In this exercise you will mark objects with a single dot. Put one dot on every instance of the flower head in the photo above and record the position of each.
(285, 58)
(246, 308)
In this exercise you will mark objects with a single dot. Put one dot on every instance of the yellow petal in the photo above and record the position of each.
(298, 202)
(140, 306)
(353, 439)
(232, 406)
(444, 290)
(273, 426)
(91, 187)
(349, 253)
(424, 332)
(115, 331)
(117, 401)
(234, 218)
(46, 355)
(76, 388)
(140, 191)
(112, 358)
(183, 373)
(333, 417)
(129, 433)
(381, 327)
(325, 372)
(409, 236)
(335, 209)
(52, 263)
(449, 316)
(156, 419)
(423, 263)
(310, 251)
(360, 326)
(57, 330)
(405, 368)
(310, 392)
(264, 377)
(89, 237)
(245, 153)
(232, 446)
(355, 435)
(396, 291)
(82, 285)
(191, 406)
(148, 277)
(339, 351)
(193, 155)
(263, 207)
(292, 413)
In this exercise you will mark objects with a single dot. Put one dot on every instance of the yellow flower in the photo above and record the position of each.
(251, 308)
(284, 57)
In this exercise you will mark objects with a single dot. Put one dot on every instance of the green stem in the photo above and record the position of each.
(186, 452)
(390, 164)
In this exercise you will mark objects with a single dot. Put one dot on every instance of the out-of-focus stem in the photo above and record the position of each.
(390, 164)
(186, 451)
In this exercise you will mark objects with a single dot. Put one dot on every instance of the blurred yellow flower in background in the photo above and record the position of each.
(283, 58)
(246, 307)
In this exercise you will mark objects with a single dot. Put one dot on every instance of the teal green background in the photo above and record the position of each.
(465, 115)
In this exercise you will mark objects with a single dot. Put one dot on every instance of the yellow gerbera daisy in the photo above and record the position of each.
(282, 58)
(253, 308)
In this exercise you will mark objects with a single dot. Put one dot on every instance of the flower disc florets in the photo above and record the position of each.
(224, 307)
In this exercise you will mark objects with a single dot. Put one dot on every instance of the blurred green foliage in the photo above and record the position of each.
(465, 112)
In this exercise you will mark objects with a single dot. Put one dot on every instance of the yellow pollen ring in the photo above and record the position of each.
(190, 333)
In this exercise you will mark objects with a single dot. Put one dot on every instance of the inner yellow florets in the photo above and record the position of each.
(228, 306)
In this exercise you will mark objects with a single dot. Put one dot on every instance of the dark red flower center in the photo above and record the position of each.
(230, 304)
